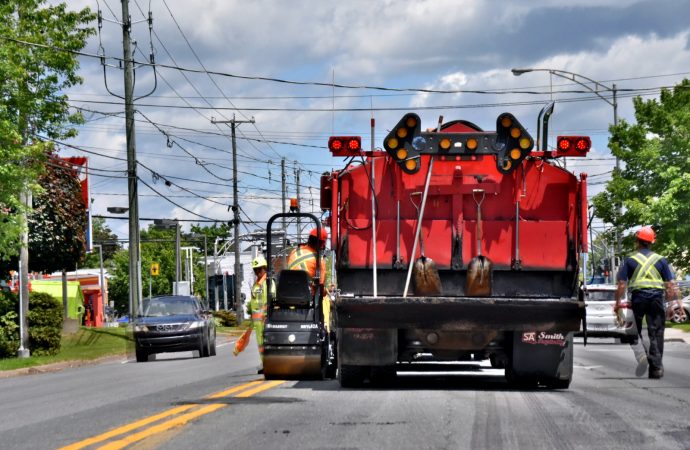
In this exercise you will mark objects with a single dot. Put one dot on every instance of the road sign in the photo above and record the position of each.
(155, 269)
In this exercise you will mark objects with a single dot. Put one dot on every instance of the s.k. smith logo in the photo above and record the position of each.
(543, 338)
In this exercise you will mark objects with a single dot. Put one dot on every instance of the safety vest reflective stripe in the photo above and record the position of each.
(301, 258)
(646, 276)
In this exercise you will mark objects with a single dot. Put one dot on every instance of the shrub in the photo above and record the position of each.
(227, 318)
(45, 324)
(9, 325)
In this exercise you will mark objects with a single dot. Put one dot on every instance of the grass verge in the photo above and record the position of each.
(680, 326)
(85, 344)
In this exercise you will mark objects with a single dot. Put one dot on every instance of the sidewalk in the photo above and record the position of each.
(676, 335)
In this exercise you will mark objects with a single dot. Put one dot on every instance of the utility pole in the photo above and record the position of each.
(178, 263)
(299, 222)
(239, 310)
(284, 196)
(132, 182)
(23, 280)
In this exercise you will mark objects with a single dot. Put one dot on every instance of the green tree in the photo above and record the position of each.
(36, 67)
(57, 224)
(653, 186)
(157, 246)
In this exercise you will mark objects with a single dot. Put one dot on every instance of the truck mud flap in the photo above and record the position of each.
(460, 313)
(539, 357)
(367, 346)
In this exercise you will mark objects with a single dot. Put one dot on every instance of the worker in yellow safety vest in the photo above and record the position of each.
(648, 275)
(304, 258)
(258, 303)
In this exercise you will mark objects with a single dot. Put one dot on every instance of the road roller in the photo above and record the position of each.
(297, 343)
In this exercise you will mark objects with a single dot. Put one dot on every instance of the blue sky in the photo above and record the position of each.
(432, 44)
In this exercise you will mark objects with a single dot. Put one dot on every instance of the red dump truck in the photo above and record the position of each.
(457, 243)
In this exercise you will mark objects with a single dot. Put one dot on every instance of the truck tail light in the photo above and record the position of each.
(573, 145)
(345, 145)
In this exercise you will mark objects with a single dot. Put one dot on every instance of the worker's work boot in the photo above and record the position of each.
(642, 365)
(656, 373)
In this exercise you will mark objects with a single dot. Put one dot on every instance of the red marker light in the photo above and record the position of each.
(563, 144)
(345, 145)
(573, 145)
(583, 144)
(353, 144)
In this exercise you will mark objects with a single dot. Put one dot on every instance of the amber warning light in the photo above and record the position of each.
(345, 145)
(573, 145)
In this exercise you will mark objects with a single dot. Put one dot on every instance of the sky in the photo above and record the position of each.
(237, 51)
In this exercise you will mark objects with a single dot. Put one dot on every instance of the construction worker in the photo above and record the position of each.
(304, 258)
(258, 303)
(648, 275)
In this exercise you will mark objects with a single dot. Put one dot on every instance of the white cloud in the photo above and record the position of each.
(447, 44)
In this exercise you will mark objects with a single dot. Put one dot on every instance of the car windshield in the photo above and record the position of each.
(168, 307)
(601, 296)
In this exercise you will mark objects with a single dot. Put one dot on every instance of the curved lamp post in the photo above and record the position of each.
(597, 90)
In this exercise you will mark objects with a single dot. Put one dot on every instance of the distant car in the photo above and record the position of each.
(673, 312)
(174, 323)
(601, 320)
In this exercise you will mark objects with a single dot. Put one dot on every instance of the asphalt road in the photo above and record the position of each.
(181, 402)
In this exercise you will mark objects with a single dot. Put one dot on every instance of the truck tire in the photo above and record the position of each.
(558, 384)
(383, 375)
(351, 376)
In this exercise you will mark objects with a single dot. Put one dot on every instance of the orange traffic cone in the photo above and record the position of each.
(242, 342)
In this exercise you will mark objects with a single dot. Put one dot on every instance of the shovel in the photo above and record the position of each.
(424, 272)
(479, 269)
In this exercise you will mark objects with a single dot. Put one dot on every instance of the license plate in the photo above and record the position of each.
(596, 327)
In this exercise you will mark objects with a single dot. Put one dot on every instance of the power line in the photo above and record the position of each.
(305, 83)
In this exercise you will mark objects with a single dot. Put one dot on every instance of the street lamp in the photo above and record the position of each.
(575, 78)
(117, 209)
(598, 88)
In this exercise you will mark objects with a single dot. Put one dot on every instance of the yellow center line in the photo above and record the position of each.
(183, 419)
(263, 387)
(180, 420)
(156, 417)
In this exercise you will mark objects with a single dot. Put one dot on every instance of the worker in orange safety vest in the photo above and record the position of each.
(304, 258)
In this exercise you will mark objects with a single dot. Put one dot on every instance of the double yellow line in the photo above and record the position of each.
(179, 415)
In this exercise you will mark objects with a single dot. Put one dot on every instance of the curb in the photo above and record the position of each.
(58, 366)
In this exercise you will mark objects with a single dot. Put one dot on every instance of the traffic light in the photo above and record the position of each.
(510, 144)
(573, 145)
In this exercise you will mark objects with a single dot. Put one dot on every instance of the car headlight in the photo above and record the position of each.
(141, 328)
(196, 324)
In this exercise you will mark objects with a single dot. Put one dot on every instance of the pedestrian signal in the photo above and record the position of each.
(155, 269)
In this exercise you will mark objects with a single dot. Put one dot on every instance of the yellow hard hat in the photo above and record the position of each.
(259, 261)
